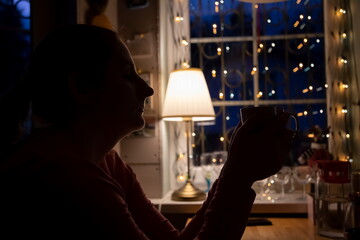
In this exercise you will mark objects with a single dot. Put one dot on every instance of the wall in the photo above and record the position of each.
(138, 27)
(173, 55)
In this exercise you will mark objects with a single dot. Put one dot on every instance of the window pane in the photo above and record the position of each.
(280, 64)
(287, 71)
(235, 18)
(290, 17)
(226, 69)
(15, 41)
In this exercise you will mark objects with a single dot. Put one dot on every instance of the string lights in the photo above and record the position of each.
(341, 61)
(339, 99)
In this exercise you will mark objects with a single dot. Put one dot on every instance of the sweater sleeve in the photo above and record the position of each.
(228, 212)
(223, 213)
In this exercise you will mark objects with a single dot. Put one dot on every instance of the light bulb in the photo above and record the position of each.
(214, 28)
(184, 42)
(213, 73)
(179, 19)
(221, 95)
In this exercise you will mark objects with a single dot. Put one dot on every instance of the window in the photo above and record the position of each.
(260, 54)
(15, 41)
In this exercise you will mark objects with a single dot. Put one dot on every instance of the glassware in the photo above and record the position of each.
(283, 177)
(331, 197)
(207, 167)
(261, 184)
(352, 217)
(218, 159)
(180, 169)
(303, 175)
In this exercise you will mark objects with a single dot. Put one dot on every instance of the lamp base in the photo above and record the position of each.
(188, 192)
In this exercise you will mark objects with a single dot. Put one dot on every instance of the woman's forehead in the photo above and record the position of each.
(122, 53)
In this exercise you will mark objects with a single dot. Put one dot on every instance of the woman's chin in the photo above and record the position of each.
(138, 125)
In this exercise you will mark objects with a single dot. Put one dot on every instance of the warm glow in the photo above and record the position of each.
(214, 28)
(253, 70)
(213, 73)
(181, 178)
(187, 97)
(179, 19)
(184, 42)
(185, 65)
(221, 95)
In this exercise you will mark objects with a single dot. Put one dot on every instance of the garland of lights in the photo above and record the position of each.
(339, 80)
(339, 70)
(300, 23)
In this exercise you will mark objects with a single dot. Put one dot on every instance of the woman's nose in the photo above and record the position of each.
(146, 90)
(149, 90)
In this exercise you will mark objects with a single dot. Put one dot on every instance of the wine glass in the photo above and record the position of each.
(283, 177)
(179, 168)
(261, 184)
(207, 167)
(218, 159)
(303, 175)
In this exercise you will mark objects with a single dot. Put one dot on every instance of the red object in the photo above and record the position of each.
(334, 171)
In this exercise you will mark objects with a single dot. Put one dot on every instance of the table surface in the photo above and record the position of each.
(283, 229)
(292, 204)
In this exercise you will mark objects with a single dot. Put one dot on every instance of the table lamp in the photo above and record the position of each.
(187, 99)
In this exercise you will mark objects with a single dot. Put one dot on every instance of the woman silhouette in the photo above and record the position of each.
(63, 180)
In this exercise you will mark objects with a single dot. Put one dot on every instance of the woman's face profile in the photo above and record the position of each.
(124, 92)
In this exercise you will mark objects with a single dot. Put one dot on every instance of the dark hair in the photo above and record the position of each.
(81, 50)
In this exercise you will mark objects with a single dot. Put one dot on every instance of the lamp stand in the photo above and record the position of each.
(188, 192)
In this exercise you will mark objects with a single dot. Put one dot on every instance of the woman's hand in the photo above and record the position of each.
(258, 149)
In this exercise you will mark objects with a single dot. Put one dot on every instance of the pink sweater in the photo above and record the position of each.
(75, 198)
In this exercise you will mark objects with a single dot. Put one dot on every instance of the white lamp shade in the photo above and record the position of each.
(187, 97)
